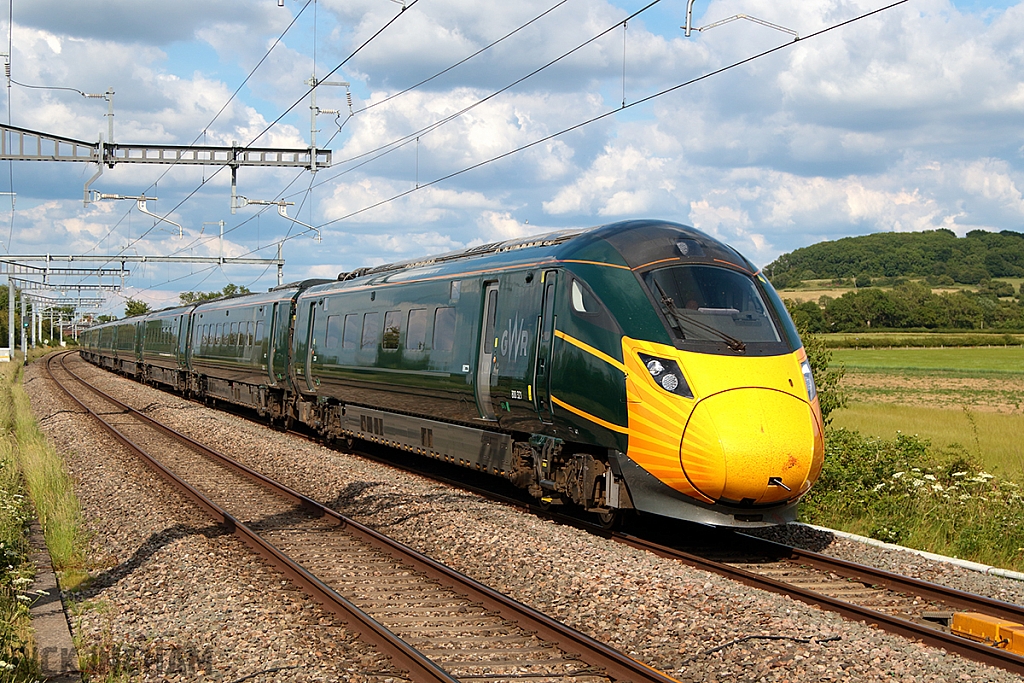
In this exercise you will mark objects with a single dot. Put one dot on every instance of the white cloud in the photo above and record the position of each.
(908, 120)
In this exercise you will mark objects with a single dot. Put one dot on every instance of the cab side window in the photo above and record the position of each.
(587, 307)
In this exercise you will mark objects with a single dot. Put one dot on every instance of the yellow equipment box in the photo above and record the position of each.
(1006, 635)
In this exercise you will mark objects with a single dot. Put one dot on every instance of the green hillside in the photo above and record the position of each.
(885, 281)
(938, 255)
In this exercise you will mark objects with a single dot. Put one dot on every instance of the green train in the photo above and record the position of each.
(641, 365)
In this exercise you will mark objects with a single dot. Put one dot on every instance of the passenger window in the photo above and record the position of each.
(259, 332)
(392, 329)
(371, 330)
(416, 332)
(351, 337)
(444, 329)
(333, 332)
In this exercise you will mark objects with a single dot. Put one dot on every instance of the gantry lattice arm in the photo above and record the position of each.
(23, 144)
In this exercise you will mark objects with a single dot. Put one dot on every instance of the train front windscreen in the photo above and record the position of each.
(712, 309)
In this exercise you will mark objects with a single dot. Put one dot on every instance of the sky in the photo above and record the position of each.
(584, 112)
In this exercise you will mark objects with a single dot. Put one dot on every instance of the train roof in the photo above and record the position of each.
(633, 244)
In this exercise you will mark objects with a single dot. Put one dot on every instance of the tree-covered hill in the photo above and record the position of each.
(938, 253)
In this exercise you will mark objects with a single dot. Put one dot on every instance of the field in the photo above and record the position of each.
(973, 397)
(813, 290)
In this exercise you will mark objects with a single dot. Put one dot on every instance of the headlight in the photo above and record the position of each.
(667, 374)
(812, 391)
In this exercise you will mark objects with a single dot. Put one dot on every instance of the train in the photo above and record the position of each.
(637, 366)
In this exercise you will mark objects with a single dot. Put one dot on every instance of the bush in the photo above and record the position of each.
(904, 491)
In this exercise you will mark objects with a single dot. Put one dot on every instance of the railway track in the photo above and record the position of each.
(434, 623)
(898, 604)
(902, 605)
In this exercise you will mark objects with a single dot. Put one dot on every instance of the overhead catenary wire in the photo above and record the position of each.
(398, 143)
(612, 112)
(203, 132)
(464, 60)
(644, 100)
(406, 90)
(287, 111)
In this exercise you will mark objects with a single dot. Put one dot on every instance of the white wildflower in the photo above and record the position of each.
(897, 475)
(930, 477)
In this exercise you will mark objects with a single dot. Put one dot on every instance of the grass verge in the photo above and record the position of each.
(52, 491)
(906, 491)
(28, 463)
(16, 661)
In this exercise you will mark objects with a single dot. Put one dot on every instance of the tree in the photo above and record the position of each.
(133, 307)
(807, 315)
(229, 290)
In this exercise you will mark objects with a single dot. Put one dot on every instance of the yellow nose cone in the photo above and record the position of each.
(750, 445)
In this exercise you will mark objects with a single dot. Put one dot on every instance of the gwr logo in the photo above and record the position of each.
(515, 340)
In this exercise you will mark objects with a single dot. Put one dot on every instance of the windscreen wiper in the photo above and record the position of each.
(670, 308)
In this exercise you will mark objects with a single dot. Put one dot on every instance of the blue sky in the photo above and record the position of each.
(907, 120)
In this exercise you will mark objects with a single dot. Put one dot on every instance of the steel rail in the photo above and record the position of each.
(895, 582)
(972, 650)
(403, 655)
(615, 664)
(933, 636)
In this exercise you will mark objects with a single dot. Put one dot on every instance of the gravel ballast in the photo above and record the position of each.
(691, 624)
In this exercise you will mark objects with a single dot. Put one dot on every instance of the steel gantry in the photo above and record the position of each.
(23, 144)
(31, 281)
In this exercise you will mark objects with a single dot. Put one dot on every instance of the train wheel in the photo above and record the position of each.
(608, 520)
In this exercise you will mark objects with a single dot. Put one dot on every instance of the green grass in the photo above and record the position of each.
(52, 491)
(997, 359)
(996, 440)
(15, 571)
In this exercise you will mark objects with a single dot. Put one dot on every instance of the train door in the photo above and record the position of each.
(485, 361)
(310, 348)
(545, 343)
(275, 315)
